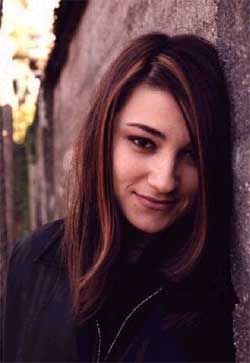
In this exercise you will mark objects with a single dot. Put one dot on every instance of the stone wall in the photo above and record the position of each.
(233, 42)
(104, 29)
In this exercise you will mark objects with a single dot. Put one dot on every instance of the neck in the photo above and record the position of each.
(164, 243)
(135, 241)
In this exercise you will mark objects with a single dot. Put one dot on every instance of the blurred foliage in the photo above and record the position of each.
(26, 40)
(23, 118)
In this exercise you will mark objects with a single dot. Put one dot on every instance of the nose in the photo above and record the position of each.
(163, 177)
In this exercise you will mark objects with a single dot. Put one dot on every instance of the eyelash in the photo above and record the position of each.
(141, 143)
(190, 154)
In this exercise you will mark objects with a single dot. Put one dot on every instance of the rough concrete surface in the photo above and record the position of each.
(104, 29)
(233, 42)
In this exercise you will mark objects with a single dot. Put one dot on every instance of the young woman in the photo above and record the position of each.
(138, 271)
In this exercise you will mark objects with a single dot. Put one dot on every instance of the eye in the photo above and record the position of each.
(189, 155)
(142, 142)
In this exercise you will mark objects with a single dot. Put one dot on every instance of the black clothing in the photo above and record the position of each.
(135, 320)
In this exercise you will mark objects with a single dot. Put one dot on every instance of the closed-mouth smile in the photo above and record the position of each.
(156, 204)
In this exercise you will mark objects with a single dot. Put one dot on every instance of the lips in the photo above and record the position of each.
(155, 204)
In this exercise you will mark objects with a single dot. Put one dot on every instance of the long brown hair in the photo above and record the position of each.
(188, 67)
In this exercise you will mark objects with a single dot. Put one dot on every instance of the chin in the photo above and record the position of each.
(150, 228)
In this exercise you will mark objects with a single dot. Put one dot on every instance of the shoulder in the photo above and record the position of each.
(31, 259)
(43, 241)
(40, 240)
(29, 287)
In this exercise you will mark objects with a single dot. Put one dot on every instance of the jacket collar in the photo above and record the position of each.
(49, 253)
(49, 250)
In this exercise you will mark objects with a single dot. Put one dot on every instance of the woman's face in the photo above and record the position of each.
(154, 168)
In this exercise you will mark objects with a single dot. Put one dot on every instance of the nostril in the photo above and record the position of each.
(163, 182)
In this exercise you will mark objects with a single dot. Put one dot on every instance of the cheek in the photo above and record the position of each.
(122, 167)
(128, 169)
(190, 182)
(120, 162)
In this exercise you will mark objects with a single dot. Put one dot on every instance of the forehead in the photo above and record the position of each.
(155, 108)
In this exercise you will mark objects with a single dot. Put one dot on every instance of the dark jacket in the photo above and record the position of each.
(38, 326)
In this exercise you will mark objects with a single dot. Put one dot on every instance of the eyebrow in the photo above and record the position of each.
(148, 129)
